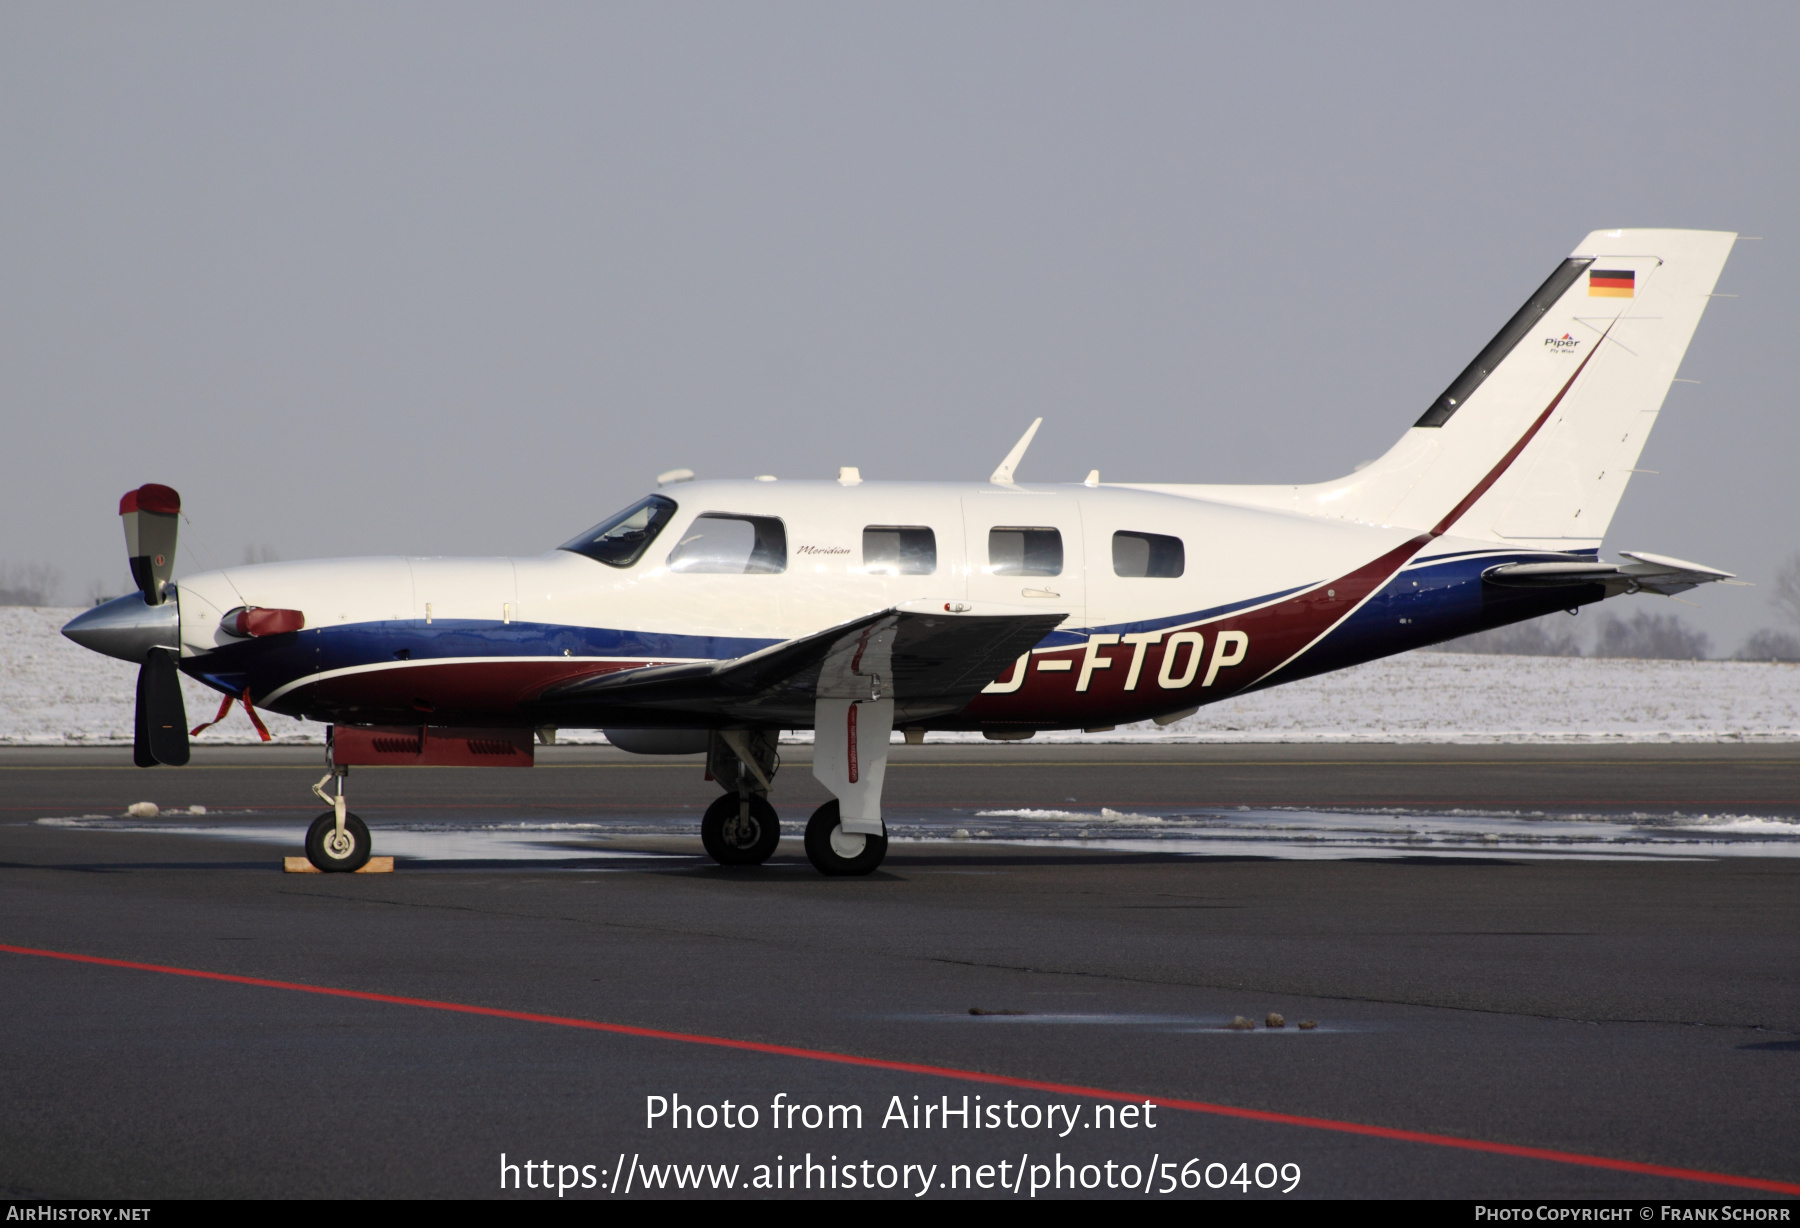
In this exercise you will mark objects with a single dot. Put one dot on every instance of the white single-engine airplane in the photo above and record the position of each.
(710, 616)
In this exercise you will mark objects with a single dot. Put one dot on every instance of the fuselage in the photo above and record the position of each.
(1170, 602)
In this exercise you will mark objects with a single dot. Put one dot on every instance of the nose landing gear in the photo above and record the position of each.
(338, 841)
(335, 849)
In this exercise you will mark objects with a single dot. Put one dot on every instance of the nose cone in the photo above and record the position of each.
(127, 628)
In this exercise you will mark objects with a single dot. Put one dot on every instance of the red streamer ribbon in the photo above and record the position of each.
(225, 707)
(254, 719)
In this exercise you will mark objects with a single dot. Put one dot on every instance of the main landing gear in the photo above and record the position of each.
(834, 851)
(741, 828)
(338, 841)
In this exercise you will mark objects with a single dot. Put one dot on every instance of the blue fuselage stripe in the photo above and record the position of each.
(1428, 601)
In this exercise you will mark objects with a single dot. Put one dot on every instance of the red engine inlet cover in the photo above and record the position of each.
(260, 621)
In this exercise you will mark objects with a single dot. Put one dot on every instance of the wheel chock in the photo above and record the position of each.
(375, 865)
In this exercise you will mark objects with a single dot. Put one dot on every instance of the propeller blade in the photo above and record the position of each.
(140, 738)
(162, 735)
(151, 514)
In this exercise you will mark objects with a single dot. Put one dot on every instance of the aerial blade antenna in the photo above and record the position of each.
(1003, 476)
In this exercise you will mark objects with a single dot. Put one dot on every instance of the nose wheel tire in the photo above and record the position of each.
(334, 853)
(834, 851)
(734, 839)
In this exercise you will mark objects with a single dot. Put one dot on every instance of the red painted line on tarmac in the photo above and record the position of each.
(950, 1072)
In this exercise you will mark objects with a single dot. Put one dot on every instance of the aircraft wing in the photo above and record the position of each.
(929, 664)
(1647, 573)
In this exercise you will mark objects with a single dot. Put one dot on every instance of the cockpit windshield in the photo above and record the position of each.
(620, 541)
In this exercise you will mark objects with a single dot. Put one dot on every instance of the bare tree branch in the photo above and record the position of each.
(29, 584)
(1785, 596)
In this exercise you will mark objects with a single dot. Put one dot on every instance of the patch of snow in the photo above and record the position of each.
(53, 692)
(1466, 697)
(1743, 824)
(1216, 832)
(1481, 698)
(1105, 815)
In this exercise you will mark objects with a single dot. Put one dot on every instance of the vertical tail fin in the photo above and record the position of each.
(1534, 442)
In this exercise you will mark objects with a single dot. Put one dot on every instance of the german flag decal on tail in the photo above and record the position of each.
(1611, 283)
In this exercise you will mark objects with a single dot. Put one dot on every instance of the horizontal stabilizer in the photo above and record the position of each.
(934, 664)
(1647, 573)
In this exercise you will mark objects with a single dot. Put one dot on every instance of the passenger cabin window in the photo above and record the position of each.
(718, 543)
(1148, 554)
(620, 541)
(899, 550)
(1024, 551)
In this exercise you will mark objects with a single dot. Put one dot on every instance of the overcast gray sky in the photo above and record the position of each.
(438, 279)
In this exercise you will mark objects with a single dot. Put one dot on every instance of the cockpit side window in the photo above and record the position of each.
(719, 543)
(620, 541)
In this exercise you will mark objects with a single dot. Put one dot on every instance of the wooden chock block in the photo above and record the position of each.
(376, 865)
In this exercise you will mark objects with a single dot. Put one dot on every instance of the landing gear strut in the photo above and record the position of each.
(338, 841)
(741, 828)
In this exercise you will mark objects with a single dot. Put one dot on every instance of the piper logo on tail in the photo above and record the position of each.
(1563, 344)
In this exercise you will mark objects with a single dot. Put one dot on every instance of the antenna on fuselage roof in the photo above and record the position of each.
(1003, 476)
(673, 476)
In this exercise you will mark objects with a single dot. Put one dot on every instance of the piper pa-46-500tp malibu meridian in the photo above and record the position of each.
(710, 616)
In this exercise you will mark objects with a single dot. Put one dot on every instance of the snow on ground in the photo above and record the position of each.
(54, 693)
(1464, 697)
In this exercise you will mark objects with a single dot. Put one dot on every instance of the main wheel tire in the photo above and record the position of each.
(334, 856)
(733, 840)
(834, 851)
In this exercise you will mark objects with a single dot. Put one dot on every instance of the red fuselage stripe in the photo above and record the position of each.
(1481, 487)
(949, 1072)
